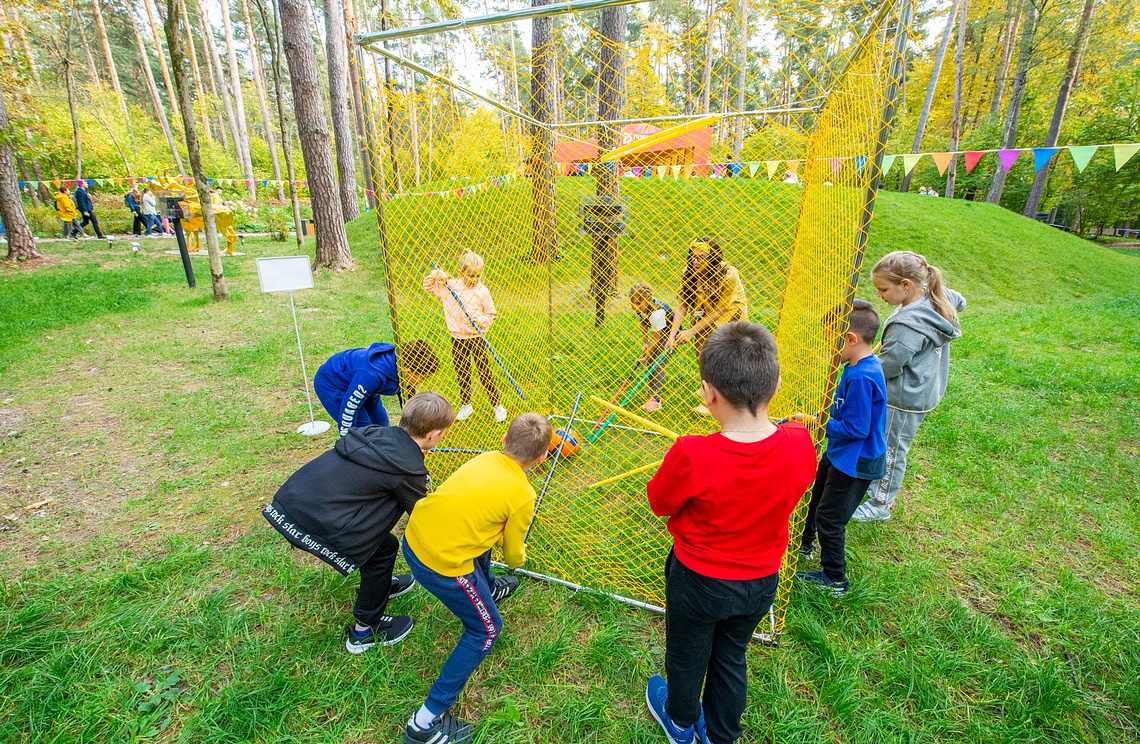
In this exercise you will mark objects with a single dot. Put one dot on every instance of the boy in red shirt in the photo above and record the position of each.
(728, 497)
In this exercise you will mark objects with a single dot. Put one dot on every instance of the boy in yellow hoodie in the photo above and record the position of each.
(68, 214)
(447, 544)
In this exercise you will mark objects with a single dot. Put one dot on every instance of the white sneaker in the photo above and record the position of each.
(500, 413)
(464, 412)
(870, 512)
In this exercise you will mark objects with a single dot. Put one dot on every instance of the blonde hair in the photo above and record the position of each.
(642, 291)
(471, 261)
(426, 412)
(899, 265)
(528, 437)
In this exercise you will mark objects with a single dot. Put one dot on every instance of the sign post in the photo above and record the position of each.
(288, 274)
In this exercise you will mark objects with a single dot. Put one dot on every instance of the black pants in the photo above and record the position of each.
(138, 224)
(462, 351)
(376, 582)
(834, 498)
(90, 219)
(708, 626)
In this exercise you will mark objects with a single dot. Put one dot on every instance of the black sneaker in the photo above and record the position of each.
(388, 632)
(401, 585)
(504, 587)
(819, 579)
(807, 552)
(447, 729)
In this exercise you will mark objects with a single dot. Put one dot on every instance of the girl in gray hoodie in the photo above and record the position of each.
(915, 356)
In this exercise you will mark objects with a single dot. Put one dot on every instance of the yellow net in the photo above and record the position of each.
(755, 128)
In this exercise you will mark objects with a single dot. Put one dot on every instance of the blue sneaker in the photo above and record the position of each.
(819, 579)
(656, 695)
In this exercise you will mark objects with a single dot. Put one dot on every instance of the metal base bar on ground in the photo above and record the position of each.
(769, 639)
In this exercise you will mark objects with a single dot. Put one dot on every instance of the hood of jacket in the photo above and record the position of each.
(386, 449)
(379, 349)
(922, 318)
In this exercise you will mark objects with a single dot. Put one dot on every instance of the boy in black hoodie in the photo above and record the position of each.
(342, 506)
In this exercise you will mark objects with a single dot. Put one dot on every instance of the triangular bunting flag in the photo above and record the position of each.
(860, 161)
(972, 157)
(21, 184)
(1124, 153)
(836, 165)
(793, 166)
(56, 183)
(888, 161)
(911, 160)
(636, 172)
(752, 168)
(942, 160)
(676, 171)
(1008, 158)
(1041, 156)
(718, 169)
(661, 170)
(1082, 156)
(686, 171)
(772, 165)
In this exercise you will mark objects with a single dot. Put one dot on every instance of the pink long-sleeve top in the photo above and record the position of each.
(476, 299)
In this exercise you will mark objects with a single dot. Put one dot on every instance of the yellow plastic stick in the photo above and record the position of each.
(635, 471)
(643, 421)
(658, 137)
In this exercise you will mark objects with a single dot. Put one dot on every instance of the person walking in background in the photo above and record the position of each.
(150, 212)
(133, 204)
(86, 209)
(68, 214)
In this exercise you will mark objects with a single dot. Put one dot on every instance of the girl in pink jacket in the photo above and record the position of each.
(466, 341)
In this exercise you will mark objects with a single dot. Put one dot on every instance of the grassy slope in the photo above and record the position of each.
(998, 606)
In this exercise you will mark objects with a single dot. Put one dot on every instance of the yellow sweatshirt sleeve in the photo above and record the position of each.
(514, 534)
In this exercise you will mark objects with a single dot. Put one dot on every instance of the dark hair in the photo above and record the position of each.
(419, 359)
(740, 360)
(426, 412)
(711, 280)
(528, 437)
(864, 321)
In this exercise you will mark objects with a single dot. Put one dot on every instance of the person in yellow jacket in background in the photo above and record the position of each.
(68, 214)
(447, 544)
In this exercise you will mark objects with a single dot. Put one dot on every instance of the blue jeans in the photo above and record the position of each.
(469, 599)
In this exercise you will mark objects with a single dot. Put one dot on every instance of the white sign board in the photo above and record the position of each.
(284, 273)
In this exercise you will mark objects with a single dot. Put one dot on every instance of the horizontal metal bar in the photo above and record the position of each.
(768, 639)
(689, 117)
(519, 14)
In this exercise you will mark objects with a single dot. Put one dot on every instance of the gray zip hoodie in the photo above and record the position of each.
(915, 353)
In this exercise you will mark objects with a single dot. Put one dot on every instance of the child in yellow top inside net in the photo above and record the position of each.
(469, 311)
(712, 294)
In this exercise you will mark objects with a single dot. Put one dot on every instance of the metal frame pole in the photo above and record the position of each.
(304, 372)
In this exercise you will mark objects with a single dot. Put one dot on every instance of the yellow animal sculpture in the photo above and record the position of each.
(192, 223)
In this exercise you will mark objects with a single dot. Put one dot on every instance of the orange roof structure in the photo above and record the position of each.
(692, 148)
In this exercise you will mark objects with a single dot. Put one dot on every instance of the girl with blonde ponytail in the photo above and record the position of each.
(915, 356)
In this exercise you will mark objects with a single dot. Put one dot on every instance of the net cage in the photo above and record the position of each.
(583, 151)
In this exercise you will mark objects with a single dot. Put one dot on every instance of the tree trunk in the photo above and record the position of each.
(706, 68)
(91, 69)
(223, 91)
(611, 89)
(1009, 28)
(274, 40)
(338, 102)
(21, 243)
(313, 131)
(387, 106)
(161, 59)
(144, 61)
(27, 49)
(201, 183)
(413, 111)
(26, 177)
(45, 192)
(195, 71)
(738, 139)
(1024, 53)
(69, 84)
(101, 32)
(262, 97)
(930, 88)
(688, 57)
(354, 73)
(239, 102)
(544, 65)
(956, 113)
(1067, 83)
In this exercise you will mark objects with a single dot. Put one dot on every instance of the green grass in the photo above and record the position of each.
(149, 601)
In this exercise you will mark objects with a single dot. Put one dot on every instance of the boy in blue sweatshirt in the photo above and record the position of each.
(349, 384)
(855, 454)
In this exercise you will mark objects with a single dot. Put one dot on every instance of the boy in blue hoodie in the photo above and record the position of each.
(349, 384)
(855, 454)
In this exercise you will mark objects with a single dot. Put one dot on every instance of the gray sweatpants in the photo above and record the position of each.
(901, 428)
